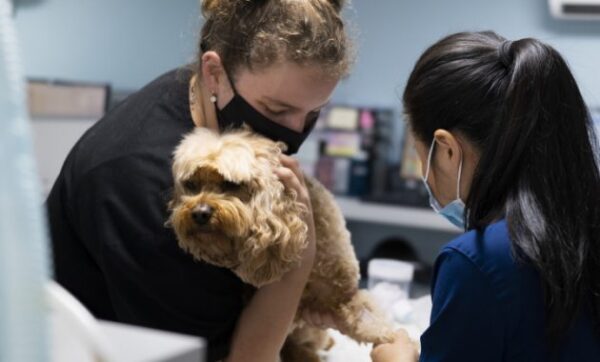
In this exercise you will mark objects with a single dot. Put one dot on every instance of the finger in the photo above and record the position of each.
(293, 165)
(289, 179)
(316, 317)
(376, 351)
(307, 317)
(289, 162)
(310, 318)
(402, 335)
(286, 175)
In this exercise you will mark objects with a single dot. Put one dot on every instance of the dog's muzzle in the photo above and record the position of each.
(202, 214)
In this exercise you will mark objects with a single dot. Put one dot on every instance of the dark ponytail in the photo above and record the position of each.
(520, 105)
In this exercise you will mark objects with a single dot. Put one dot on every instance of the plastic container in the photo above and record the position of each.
(389, 283)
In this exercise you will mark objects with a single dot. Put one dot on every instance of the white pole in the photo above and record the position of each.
(23, 243)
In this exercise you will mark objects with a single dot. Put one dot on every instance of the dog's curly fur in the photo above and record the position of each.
(256, 229)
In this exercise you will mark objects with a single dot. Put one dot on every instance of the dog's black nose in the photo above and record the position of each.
(202, 214)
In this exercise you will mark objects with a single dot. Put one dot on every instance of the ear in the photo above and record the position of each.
(215, 78)
(276, 244)
(449, 152)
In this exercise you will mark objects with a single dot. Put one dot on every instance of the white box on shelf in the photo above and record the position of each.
(52, 141)
(413, 217)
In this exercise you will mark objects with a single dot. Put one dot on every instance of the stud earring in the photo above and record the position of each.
(213, 98)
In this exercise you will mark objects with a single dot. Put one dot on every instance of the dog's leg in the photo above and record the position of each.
(333, 285)
(304, 343)
(363, 321)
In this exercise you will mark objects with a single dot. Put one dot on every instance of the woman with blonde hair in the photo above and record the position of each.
(272, 64)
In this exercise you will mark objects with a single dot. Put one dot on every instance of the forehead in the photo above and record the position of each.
(306, 87)
(208, 174)
(231, 161)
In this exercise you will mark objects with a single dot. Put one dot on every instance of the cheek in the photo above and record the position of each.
(295, 121)
(444, 188)
(233, 217)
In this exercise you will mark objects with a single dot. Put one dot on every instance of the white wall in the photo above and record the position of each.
(124, 42)
(393, 33)
(53, 139)
(130, 42)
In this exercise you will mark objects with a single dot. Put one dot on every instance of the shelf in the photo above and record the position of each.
(412, 217)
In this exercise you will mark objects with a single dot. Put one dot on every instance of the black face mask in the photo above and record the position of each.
(238, 111)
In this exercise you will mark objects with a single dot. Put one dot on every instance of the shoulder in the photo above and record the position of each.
(143, 130)
(489, 249)
(483, 291)
(171, 86)
(488, 256)
(163, 103)
(470, 280)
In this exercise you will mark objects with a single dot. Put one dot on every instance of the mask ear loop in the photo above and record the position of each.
(429, 157)
(230, 80)
(428, 169)
(459, 177)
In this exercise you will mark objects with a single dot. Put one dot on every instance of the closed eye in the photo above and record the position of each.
(277, 112)
(228, 186)
(191, 185)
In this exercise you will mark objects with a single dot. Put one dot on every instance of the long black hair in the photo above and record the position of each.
(519, 104)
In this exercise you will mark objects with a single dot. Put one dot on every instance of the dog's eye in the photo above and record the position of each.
(191, 185)
(228, 186)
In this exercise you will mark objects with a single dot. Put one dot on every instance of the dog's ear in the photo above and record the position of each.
(276, 245)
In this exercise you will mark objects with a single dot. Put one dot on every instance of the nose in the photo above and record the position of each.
(202, 214)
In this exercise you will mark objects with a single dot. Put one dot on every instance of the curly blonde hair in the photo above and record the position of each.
(259, 33)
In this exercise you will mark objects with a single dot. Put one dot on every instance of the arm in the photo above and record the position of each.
(467, 320)
(265, 322)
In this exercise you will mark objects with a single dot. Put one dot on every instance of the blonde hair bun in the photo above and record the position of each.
(210, 7)
(258, 33)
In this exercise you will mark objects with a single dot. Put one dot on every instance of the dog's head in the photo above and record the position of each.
(229, 208)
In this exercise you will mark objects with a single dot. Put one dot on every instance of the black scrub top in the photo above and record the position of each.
(107, 212)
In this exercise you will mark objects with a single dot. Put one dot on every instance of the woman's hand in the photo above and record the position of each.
(292, 177)
(401, 350)
(264, 323)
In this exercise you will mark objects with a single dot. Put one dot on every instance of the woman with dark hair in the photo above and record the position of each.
(508, 149)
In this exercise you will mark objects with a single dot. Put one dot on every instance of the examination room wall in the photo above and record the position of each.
(128, 43)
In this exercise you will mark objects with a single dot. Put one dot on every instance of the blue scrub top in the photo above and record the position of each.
(487, 307)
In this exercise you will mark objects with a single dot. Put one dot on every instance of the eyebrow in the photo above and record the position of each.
(287, 105)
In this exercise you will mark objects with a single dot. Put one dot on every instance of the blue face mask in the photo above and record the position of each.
(454, 211)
